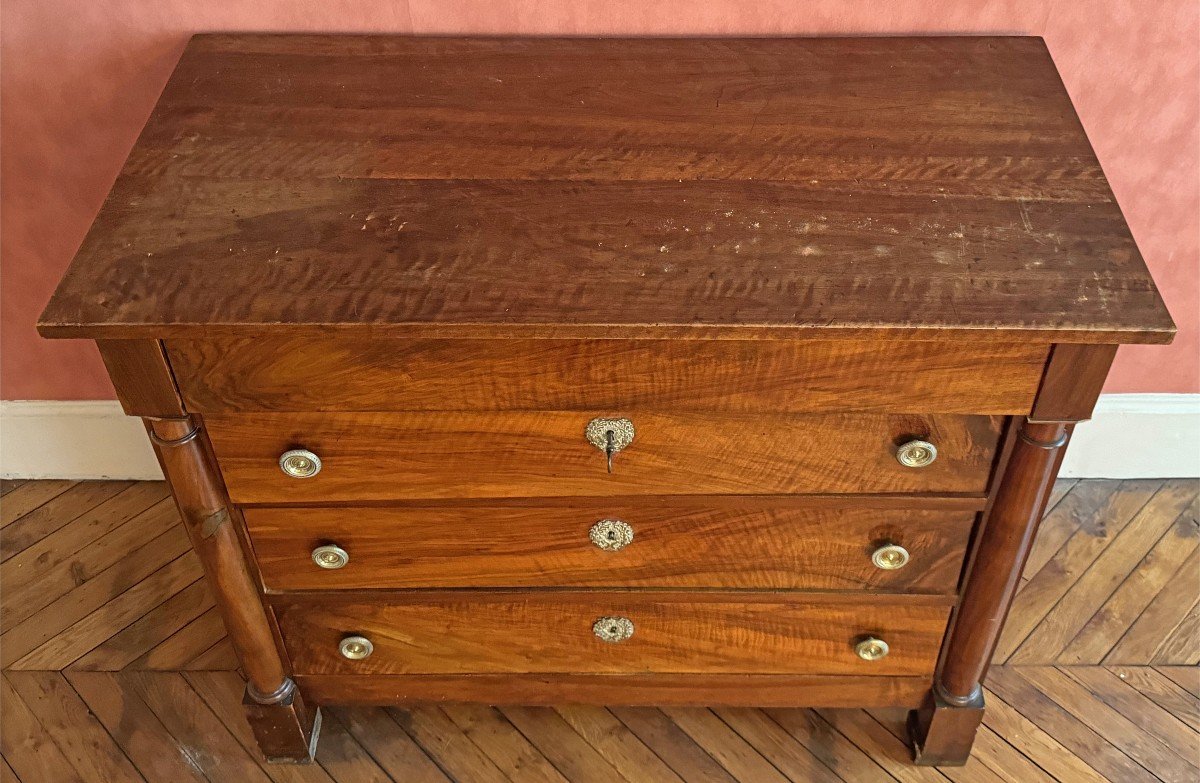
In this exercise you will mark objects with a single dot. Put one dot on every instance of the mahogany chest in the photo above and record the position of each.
(650, 371)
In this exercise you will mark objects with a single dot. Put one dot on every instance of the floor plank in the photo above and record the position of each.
(1186, 677)
(885, 749)
(1162, 761)
(158, 755)
(1103, 511)
(678, 751)
(731, 751)
(1101, 578)
(1127, 701)
(113, 582)
(148, 631)
(194, 726)
(785, 752)
(446, 744)
(1169, 609)
(55, 513)
(389, 746)
(340, 755)
(90, 632)
(1035, 743)
(507, 748)
(82, 739)
(554, 738)
(613, 740)
(27, 745)
(27, 497)
(1141, 584)
(1164, 692)
(841, 755)
(1064, 726)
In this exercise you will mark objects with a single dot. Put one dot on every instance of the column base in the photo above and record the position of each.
(942, 732)
(285, 728)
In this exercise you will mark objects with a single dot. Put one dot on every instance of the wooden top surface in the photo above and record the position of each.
(914, 187)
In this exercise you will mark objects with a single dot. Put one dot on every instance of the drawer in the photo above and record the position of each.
(763, 633)
(386, 456)
(764, 376)
(663, 542)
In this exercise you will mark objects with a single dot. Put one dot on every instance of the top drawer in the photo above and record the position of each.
(734, 376)
(481, 454)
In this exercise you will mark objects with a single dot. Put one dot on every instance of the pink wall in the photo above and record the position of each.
(79, 79)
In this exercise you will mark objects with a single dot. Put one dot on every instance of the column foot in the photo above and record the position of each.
(942, 732)
(285, 727)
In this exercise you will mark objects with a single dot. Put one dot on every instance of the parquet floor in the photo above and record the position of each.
(116, 668)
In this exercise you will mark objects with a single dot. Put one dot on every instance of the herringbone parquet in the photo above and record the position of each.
(117, 668)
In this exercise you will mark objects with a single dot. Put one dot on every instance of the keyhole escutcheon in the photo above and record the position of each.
(609, 436)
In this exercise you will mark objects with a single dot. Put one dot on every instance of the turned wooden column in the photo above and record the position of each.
(286, 729)
(944, 728)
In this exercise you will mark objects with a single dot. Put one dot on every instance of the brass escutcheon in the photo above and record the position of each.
(611, 534)
(613, 629)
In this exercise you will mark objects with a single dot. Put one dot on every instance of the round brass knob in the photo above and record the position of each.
(613, 629)
(890, 557)
(871, 649)
(300, 463)
(916, 454)
(356, 648)
(330, 556)
(611, 534)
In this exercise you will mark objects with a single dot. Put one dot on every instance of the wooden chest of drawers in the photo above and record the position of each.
(611, 371)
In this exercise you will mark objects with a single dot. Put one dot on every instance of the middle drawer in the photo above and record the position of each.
(749, 542)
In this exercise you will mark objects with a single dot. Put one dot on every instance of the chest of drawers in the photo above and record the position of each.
(611, 371)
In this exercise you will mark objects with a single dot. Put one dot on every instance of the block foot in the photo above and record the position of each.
(285, 727)
(942, 731)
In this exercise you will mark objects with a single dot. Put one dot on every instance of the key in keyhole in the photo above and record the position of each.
(608, 447)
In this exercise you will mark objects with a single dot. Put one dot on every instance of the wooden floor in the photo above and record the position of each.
(116, 667)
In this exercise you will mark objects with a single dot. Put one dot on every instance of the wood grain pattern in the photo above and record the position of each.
(490, 632)
(1073, 381)
(141, 376)
(692, 542)
(757, 690)
(377, 456)
(741, 376)
(589, 187)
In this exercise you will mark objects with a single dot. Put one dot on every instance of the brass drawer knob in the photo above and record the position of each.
(356, 648)
(916, 454)
(871, 649)
(330, 556)
(890, 557)
(611, 534)
(300, 463)
(613, 629)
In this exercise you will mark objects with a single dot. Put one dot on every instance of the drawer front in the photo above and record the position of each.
(664, 542)
(457, 633)
(298, 374)
(385, 456)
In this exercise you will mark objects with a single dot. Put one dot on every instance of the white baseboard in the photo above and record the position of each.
(94, 439)
(1130, 436)
(1137, 436)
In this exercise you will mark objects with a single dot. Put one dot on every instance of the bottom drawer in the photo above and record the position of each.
(583, 632)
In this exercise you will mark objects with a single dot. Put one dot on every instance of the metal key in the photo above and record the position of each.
(610, 436)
